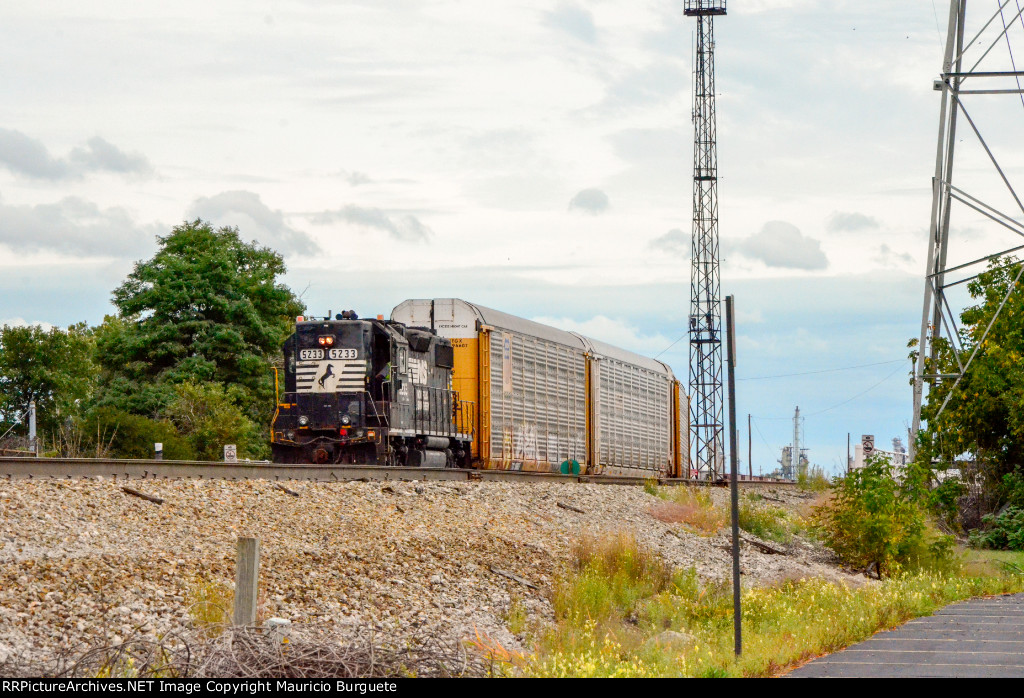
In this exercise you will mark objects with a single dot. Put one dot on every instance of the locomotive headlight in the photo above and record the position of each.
(290, 435)
(346, 420)
(303, 420)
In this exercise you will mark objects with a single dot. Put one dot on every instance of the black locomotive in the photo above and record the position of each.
(369, 392)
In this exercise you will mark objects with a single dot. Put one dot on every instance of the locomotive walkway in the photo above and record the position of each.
(981, 638)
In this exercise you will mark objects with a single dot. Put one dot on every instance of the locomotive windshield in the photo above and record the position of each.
(328, 335)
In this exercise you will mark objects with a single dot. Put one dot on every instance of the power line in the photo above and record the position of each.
(824, 370)
(672, 345)
(828, 409)
(771, 451)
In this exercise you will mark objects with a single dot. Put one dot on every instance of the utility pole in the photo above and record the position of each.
(734, 489)
(750, 449)
(705, 283)
(795, 455)
(976, 70)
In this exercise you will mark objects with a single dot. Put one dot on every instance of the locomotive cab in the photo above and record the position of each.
(367, 392)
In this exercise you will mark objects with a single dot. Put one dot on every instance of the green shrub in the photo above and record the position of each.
(770, 523)
(873, 520)
(209, 417)
(812, 480)
(1004, 531)
(121, 435)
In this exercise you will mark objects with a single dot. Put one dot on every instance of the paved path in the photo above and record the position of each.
(979, 638)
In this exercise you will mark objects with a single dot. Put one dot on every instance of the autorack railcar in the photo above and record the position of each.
(545, 399)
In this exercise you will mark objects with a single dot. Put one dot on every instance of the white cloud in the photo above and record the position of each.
(404, 228)
(574, 20)
(22, 322)
(675, 242)
(851, 222)
(24, 155)
(74, 226)
(102, 155)
(254, 220)
(613, 331)
(781, 244)
(592, 201)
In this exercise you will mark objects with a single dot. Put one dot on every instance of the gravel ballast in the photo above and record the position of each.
(83, 563)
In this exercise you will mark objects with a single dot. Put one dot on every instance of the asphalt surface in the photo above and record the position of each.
(975, 639)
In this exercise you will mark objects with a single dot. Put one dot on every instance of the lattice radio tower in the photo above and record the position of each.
(707, 398)
(979, 76)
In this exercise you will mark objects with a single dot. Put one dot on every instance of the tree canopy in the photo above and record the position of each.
(53, 367)
(207, 308)
(983, 422)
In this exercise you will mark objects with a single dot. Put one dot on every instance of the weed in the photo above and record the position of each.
(210, 602)
(813, 480)
(516, 616)
(651, 487)
(694, 508)
(769, 523)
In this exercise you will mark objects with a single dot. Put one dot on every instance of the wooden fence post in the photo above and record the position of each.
(247, 575)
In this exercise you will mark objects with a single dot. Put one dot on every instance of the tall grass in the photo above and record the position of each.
(210, 604)
(692, 507)
(771, 523)
(616, 600)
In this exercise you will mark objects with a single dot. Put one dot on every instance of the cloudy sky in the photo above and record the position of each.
(530, 156)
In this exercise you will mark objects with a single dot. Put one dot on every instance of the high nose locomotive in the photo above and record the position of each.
(369, 392)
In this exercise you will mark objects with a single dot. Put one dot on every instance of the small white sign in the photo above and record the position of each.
(867, 442)
(230, 453)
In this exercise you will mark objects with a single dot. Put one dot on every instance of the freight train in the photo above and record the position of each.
(446, 383)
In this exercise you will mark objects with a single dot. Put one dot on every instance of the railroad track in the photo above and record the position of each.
(19, 468)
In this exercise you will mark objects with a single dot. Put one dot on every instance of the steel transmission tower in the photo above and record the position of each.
(983, 69)
(707, 399)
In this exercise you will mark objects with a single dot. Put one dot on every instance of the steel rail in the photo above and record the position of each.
(27, 468)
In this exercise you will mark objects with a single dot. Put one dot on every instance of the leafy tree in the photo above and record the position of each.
(206, 416)
(981, 428)
(53, 367)
(207, 308)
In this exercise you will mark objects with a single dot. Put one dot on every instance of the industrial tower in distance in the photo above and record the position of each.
(707, 399)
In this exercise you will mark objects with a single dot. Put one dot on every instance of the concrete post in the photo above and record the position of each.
(247, 574)
(33, 442)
